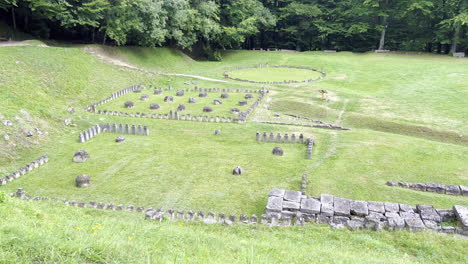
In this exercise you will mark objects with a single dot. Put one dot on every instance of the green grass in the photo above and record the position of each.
(48, 232)
(272, 74)
(407, 117)
(223, 109)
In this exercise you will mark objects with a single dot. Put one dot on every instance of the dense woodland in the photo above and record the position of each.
(358, 25)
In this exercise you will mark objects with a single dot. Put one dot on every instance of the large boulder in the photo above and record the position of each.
(82, 181)
(80, 156)
(207, 109)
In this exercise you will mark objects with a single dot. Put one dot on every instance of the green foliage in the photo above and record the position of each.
(3, 197)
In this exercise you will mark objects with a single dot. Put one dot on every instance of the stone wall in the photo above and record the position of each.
(433, 187)
(286, 208)
(25, 169)
(319, 123)
(114, 95)
(327, 126)
(285, 205)
(113, 128)
(285, 138)
(226, 74)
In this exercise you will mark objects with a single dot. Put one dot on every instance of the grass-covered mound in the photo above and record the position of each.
(274, 74)
(49, 232)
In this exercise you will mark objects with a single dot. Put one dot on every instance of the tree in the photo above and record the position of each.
(10, 4)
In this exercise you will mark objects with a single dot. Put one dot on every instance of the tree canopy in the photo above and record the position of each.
(357, 25)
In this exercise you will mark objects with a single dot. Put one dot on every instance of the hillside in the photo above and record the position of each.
(406, 118)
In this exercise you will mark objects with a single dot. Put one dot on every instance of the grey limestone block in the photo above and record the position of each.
(293, 196)
(430, 214)
(464, 190)
(420, 207)
(275, 204)
(355, 223)
(276, 192)
(289, 205)
(359, 208)
(409, 215)
(326, 201)
(446, 215)
(432, 224)
(391, 207)
(452, 189)
(341, 206)
(323, 218)
(376, 207)
(310, 206)
(415, 224)
(435, 187)
(406, 208)
(461, 212)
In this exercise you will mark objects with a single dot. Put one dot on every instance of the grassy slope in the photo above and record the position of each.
(44, 232)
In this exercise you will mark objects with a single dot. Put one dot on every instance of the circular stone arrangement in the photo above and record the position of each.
(273, 74)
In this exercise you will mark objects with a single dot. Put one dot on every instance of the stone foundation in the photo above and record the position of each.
(432, 187)
(24, 170)
(113, 128)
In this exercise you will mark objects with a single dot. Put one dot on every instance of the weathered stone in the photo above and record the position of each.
(248, 96)
(180, 93)
(430, 214)
(168, 99)
(235, 110)
(192, 100)
(395, 222)
(464, 190)
(217, 132)
(376, 206)
(406, 208)
(355, 224)
(120, 139)
(288, 205)
(154, 106)
(435, 187)
(207, 109)
(359, 208)
(403, 184)
(203, 94)
(277, 151)
(409, 215)
(341, 206)
(323, 219)
(462, 214)
(144, 97)
(237, 170)
(181, 107)
(446, 215)
(391, 207)
(129, 104)
(80, 156)
(310, 206)
(217, 102)
(391, 183)
(224, 95)
(276, 192)
(67, 121)
(432, 225)
(418, 186)
(293, 196)
(420, 207)
(158, 91)
(375, 223)
(414, 224)
(452, 189)
(82, 181)
(326, 201)
(242, 103)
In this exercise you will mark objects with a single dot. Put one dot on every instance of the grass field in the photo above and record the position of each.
(406, 112)
(272, 74)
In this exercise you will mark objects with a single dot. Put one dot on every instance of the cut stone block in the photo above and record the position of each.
(430, 214)
(435, 187)
(293, 196)
(327, 204)
(341, 206)
(275, 204)
(462, 214)
(391, 207)
(406, 208)
(355, 223)
(446, 215)
(310, 206)
(376, 207)
(415, 224)
(409, 215)
(291, 205)
(359, 208)
(452, 189)
(431, 224)
(464, 190)
(276, 192)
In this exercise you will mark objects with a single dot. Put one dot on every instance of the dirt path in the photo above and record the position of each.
(195, 76)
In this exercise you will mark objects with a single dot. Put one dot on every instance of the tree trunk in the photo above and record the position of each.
(92, 35)
(455, 39)
(13, 18)
(382, 34)
(104, 39)
(26, 22)
(439, 48)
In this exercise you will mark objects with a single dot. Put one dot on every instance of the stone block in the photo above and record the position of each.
(355, 223)
(432, 225)
(446, 215)
(464, 190)
(327, 204)
(406, 208)
(341, 206)
(391, 207)
(409, 215)
(418, 186)
(289, 205)
(293, 196)
(452, 189)
(275, 204)
(376, 207)
(359, 208)
(414, 224)
(276, 192)
(420, 207)
(435, 187)
(323, 219)
(395, 222)
(461, 212)
(310, 206)
(430, 214)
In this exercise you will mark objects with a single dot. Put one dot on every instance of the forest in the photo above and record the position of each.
(438, 26)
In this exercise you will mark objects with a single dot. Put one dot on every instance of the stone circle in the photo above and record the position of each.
(82, 181)
(80, 156)
(286, 67)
